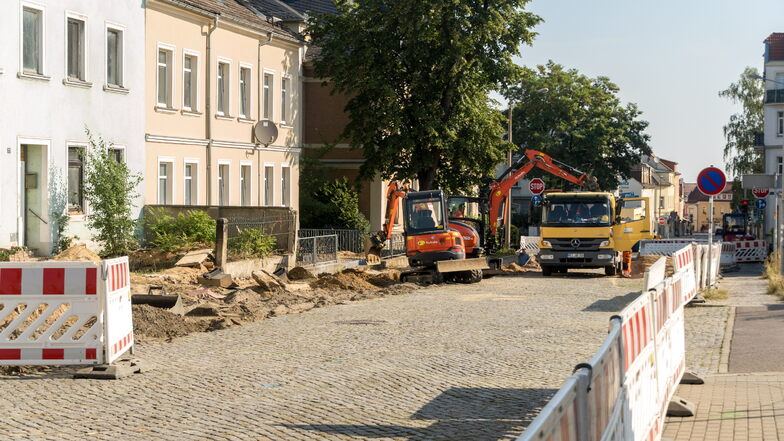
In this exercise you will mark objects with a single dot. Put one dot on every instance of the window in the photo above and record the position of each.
(165, 57)
(245, 182)
(245, 92)
(269, 175)
(190, 69)
(285, 185)
(780, 124)
(32, 41)
(191, 181)
(661, 202)
(223, 184)
(267, 96)
(284, 100)
(223, 88)
(779, 80)
(75, 49)
(75, 180)
(114, 57)
(164, 183)
(117, 154)
(780, 165)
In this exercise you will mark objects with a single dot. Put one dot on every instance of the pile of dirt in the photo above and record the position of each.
(642, 263)
(156, 323)
(356, 280)
(152, 260)
(77, 253)
(514, 268)
(299, 273)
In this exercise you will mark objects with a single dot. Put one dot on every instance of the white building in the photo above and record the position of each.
(773, 137)
(65, 65)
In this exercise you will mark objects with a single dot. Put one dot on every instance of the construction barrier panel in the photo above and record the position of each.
(751, 251)
(632, 378)
(728, 257)
(64, 313)
(530, 244)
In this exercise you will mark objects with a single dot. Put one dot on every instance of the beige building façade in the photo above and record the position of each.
(213, 69)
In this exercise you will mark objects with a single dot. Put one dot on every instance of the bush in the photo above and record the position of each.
(253, 242)
(188, 230)
(6, 253)
(333, 204)
(110, 189)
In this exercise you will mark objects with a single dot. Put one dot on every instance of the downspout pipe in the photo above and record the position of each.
(259, 97)
(208, 108)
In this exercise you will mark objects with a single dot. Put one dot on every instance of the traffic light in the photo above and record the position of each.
(744, 206)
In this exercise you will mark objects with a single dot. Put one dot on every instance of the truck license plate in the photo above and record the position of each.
(575, 255)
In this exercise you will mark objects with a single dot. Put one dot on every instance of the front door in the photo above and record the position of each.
(34, 198)
(633, 223)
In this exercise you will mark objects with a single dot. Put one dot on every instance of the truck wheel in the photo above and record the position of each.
(472, 276)
(610, 270)
(547, 271)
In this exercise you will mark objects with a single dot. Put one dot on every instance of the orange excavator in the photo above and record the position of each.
(495, 195)
(435, 250)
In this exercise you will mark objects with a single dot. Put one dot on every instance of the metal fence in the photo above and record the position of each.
(348, 240)
(317, 249)
(281, 226)
(395, 246)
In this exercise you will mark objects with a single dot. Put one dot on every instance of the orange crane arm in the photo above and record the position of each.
(500, 188)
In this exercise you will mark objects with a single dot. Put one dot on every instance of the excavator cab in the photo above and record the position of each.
(429, 238)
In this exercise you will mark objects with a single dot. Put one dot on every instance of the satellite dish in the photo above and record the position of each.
(265, 132)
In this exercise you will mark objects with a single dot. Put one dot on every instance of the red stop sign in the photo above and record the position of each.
(536, 186)
(760, 192)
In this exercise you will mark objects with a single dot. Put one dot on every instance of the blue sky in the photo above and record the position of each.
(670, 57)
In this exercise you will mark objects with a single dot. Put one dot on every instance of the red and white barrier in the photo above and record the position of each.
(751, 251)
(728, 257)
(56, 313)
(634, 374)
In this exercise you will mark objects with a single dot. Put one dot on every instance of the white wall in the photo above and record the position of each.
(59, 113)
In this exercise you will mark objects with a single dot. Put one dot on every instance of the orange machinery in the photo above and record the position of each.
(435, 250)
(495, 195)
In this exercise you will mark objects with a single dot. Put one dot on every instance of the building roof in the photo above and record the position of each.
(242, 12)
(277, 9)
(774, 47)
(672, 165)
(311, 6)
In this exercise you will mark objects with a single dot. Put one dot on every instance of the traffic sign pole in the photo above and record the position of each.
(710, 240)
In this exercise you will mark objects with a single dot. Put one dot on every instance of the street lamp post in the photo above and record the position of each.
(508, 205)
(779, 184)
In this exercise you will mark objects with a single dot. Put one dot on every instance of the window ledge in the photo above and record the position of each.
(77, 83)
(115, 89)
(190, 113)
(286, 126)
(224, 117)
(32, 76)
(162, 109)
(245, 120)
(76, 216)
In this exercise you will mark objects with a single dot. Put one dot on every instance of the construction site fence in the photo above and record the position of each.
(352, 241)
(317, 250)
(700, 254)
(65, 313)
(282, 227)
(529, 245)
(623, 392)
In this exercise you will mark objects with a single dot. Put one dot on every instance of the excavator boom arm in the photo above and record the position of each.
(531, 159)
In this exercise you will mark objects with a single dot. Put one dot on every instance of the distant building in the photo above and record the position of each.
(772, 144)
(697, 207)
(658, 180)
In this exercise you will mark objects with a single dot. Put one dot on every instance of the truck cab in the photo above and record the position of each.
(590, 230)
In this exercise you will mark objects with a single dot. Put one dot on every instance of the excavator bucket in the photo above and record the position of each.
(172, 303)
(373, 246)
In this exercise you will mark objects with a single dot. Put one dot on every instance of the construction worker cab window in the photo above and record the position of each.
(579, 212)
(425, 215)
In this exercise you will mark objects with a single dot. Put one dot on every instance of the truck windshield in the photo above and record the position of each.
(591, 212)
(734, 222)
(424, 214)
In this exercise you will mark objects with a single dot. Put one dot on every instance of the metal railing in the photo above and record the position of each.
(395, 246)
(282, 227)
(317, 249)
(348, 240)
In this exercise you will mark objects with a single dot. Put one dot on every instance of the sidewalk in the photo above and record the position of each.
(747, 403)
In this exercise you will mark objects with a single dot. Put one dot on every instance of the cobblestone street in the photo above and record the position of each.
(453, 362)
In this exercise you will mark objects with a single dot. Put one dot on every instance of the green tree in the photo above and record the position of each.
(418, 74)
(579, 121)
(109, 188)
(739, 153)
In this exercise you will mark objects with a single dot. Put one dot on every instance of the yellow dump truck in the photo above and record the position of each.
(590, 230)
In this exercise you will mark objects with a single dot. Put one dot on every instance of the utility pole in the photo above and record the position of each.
(508, 207)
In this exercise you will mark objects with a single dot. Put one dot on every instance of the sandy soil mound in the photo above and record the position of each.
(642, 263)
(155, 323)
(299, 273)
(77, 253)
(352, 280)
(152, 260)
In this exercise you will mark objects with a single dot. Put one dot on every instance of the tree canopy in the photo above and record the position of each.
(579, 121)
(418, 74)
(739, 153)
